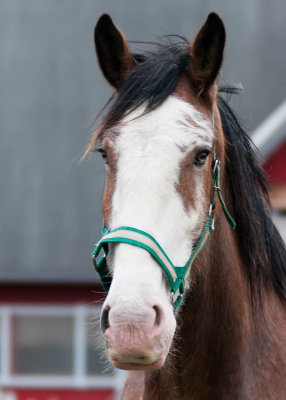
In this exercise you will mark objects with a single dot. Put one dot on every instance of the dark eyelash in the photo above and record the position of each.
(98, 150)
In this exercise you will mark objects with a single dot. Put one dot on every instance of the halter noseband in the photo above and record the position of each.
(177, 276)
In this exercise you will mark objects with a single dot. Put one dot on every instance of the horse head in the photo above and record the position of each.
(159, 141)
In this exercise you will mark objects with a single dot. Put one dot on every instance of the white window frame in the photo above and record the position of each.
(79, 379)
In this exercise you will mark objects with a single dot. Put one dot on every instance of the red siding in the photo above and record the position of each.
(48, 394)
(275, 166)
(50, 294)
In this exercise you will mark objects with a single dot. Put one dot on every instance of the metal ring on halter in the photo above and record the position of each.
(213, 120)
(173, 297)
(216, 163)
(176, 298)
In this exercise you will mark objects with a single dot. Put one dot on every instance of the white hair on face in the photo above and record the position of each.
(149, 153)
(149, 150)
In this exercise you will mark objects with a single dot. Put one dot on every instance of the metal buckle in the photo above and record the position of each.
(176, 299)
(179, 292)
(174, 296)
(173, 299)
(216, 163)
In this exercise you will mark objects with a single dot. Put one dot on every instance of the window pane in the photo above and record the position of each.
(97, 363)
(42, 345)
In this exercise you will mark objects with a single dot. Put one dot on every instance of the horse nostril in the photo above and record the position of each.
(104, 323)
(158, 318)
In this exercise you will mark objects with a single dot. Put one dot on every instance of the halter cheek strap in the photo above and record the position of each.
(177, 275)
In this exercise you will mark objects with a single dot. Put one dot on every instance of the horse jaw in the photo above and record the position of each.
(149, 152)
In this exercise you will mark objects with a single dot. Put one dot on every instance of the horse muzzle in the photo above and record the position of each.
(138, 338)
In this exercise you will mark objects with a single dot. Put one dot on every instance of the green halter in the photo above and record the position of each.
(177, 276)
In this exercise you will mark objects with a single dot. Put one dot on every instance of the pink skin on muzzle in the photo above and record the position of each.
(137, 337)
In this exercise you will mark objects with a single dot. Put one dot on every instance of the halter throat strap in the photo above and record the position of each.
(177, 275)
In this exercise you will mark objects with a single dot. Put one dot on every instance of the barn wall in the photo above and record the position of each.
(51, 88)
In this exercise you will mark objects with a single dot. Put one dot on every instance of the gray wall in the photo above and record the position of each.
(51, 88)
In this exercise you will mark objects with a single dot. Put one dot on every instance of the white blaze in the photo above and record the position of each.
(149, 151)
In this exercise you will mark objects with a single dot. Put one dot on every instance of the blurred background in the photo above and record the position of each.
(50, 204)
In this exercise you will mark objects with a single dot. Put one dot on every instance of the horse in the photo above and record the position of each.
(193, 266)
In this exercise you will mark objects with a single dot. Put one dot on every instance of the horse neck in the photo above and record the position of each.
(216, 318)
(221, 348)
(212, 328)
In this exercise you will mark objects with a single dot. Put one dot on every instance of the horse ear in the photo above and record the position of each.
(206, 53)
(113, 53)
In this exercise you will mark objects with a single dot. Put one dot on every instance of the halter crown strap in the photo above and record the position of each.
(177, 275)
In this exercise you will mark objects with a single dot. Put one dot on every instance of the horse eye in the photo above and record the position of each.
(201, 158)
(103, 155)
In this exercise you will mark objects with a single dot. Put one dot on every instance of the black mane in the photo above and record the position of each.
(261, 245)
(151, 81)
